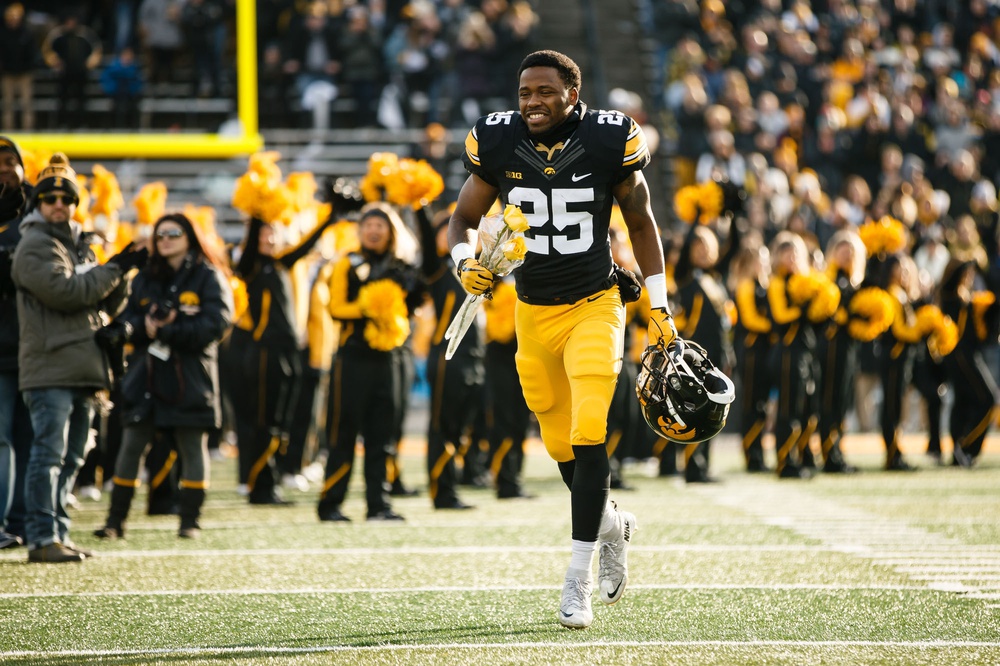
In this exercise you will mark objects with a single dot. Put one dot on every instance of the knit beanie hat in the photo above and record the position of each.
(8, 144)
(58, 175)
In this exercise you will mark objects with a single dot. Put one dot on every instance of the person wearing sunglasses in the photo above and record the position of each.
(180, 307)
(63, 298)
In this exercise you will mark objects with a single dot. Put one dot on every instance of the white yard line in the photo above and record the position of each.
(482, 588)
(556, 645)
(907, 549)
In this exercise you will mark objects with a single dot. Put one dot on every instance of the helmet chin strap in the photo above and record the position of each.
(673, 412)
(726, 396)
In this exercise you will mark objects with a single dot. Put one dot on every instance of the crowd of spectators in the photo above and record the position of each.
(825, 114)
(393, 64)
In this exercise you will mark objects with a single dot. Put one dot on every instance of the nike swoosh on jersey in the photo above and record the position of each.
(576, 179)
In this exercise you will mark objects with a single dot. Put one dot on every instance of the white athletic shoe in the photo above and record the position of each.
(89, 493)
(295, 482)
(612, 566)
(575, 611)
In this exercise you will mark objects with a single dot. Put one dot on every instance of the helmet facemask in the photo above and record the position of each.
(684, 397)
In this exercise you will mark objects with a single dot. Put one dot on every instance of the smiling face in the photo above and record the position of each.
(375, 232)
(543, 99)
(171, 240)
(11, 171)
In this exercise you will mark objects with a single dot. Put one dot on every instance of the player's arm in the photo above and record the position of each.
(632, 195)
(474, 201)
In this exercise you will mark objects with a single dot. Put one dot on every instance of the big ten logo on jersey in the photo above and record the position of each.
(610, 118)
(570, 211)
(514, 175)
(499, 118)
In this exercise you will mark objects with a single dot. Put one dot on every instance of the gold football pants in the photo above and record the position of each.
(568, 358)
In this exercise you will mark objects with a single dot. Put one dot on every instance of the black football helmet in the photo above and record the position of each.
(684, 397)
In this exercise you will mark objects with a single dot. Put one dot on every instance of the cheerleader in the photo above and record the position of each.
(970, 378)
(372, 293)
(897, 351)
(265, 352)
(791, 358)
(751, 341)
(836, 350)
(703, 313)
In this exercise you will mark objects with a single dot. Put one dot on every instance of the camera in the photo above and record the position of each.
(161, 311)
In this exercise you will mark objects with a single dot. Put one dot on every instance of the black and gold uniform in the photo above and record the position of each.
(570, 319)
(702, 310)
(976, 394)
(264, 348)
(365, 397)
(457, 383)
(508, 412)
(316, 357)
(896, 368)
(836, 353)
(792, 364)
(751, 343)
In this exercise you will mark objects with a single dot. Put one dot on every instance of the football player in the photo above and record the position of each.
(565, 165)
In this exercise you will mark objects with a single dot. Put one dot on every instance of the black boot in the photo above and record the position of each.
(121, 502)
(191, 500)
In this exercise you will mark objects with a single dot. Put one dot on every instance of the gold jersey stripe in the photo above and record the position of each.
(635, 145)
(472, 147)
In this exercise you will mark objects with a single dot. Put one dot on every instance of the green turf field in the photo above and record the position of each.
(876, 568)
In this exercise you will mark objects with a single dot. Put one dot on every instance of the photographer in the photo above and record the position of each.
(63, 296)
(179, 309)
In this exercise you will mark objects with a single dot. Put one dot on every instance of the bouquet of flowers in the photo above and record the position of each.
(502, 238)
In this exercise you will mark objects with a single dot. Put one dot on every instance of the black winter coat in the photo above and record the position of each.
(184, 389)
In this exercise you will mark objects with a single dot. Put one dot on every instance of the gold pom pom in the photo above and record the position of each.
(873, 310)
(150, 202)
(703, 201)
(944, 339)
(383, 302)
(885, 236)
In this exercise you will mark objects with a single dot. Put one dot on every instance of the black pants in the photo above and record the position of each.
(456, 397)
(511, 417)
(304, 420)
(792, 365)
(624, 419)
(71, 105)
(975, 395)
(837, 357)
(163, 471)
(896, 369)
(929, 377)
(405, 369)
(755, 388)
(363, 400)
(264, 398)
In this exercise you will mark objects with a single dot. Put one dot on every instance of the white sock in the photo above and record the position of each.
(611, 527)
(582, 559)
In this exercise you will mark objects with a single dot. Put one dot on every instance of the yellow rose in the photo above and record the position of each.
(515, 219)
(515, 248)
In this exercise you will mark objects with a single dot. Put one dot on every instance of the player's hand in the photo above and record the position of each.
(476, 279)
(661, 327)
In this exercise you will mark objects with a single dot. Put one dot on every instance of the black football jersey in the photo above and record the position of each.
(564, 190)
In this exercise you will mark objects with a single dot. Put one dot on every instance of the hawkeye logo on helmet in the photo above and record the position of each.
(670, 431)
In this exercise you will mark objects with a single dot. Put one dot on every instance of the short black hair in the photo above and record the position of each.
(568, 70)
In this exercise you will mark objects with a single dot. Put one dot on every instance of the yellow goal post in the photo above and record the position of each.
(176, 145)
